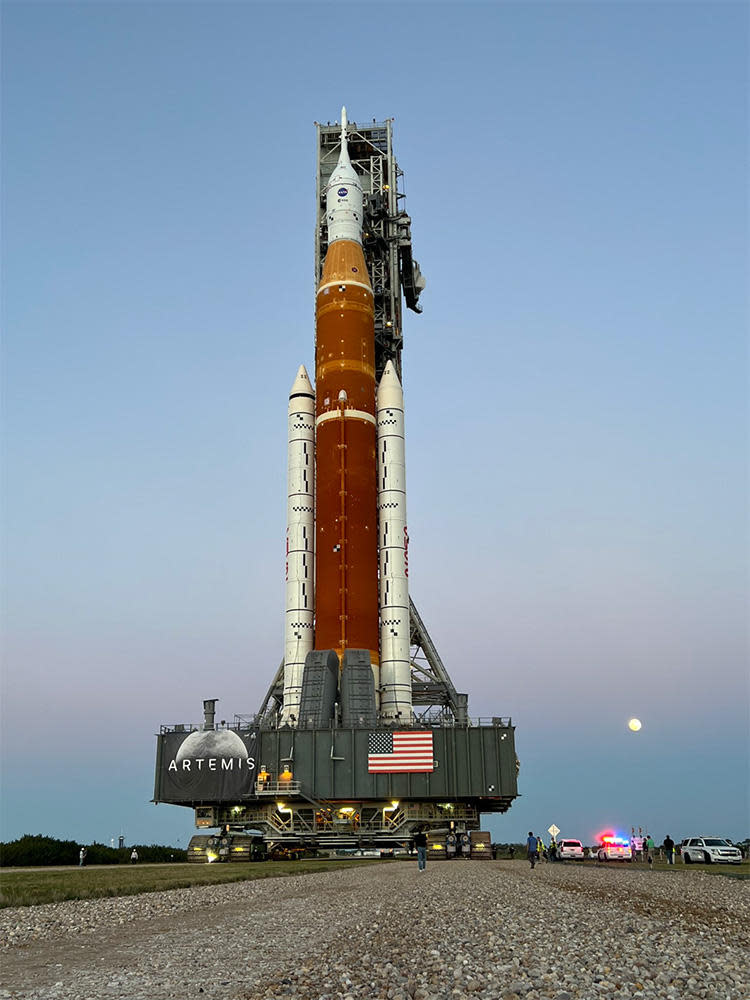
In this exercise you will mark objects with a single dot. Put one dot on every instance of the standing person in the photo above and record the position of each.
(648, 846)
(134, 857)
(553, 850)
(420, 842)
(669, 849)
(531, 848)
(539, 849)
(512, 851)
(82, 857)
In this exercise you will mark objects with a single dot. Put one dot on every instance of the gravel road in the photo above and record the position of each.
(387, 932)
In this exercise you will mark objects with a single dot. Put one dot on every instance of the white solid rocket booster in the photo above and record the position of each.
(395, 631)
(300, 542)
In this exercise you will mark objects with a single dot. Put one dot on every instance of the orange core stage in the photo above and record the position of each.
(346, 533)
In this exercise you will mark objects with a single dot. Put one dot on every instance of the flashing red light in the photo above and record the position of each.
(613, 838)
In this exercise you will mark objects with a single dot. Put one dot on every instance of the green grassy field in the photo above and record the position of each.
(24, 887)
(741, 871)
(728, 871)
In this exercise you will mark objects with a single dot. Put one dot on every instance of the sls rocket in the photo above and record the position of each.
(347, 541)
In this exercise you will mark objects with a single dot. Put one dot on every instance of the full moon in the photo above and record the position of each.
(635, 725)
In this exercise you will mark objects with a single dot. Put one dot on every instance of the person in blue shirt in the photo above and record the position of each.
(532, 849)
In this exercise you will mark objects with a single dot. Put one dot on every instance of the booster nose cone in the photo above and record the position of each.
(344, 196)
(390, 392)
(302, 386)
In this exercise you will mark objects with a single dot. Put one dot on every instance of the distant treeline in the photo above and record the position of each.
(39, 850)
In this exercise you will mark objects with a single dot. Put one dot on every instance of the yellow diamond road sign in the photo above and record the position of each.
(553, 830)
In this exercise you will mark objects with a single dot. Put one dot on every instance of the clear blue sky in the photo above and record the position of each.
(576, 389)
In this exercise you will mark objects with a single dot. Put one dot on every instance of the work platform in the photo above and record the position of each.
(311, 785)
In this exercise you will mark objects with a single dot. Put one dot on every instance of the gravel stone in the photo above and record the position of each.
(485, 931)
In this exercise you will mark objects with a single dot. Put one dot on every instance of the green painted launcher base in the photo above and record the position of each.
(315, 786)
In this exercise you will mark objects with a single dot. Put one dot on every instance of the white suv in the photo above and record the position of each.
(710, 850)
(570, 849)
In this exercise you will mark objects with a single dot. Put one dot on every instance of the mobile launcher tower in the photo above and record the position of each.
(362, 737)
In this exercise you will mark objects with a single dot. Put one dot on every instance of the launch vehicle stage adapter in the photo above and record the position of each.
(344, 756)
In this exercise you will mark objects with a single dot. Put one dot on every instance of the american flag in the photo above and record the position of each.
(391, 752)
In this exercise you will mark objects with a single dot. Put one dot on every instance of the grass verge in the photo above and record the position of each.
(29, 888)
(741, 871)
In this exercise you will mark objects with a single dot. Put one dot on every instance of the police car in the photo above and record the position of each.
(614, 848)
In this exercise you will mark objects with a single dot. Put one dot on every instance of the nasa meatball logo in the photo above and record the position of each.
(342, 192)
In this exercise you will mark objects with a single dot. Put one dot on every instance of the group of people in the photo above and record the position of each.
(643, 848)
(538, 851)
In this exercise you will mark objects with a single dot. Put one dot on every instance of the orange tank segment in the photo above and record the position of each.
(345, 260)
(346, 524)
(346, 538)
(345, 338)
(345, 355)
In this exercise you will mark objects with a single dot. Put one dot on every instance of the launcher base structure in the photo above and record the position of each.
(362, 738)
(310, 788)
